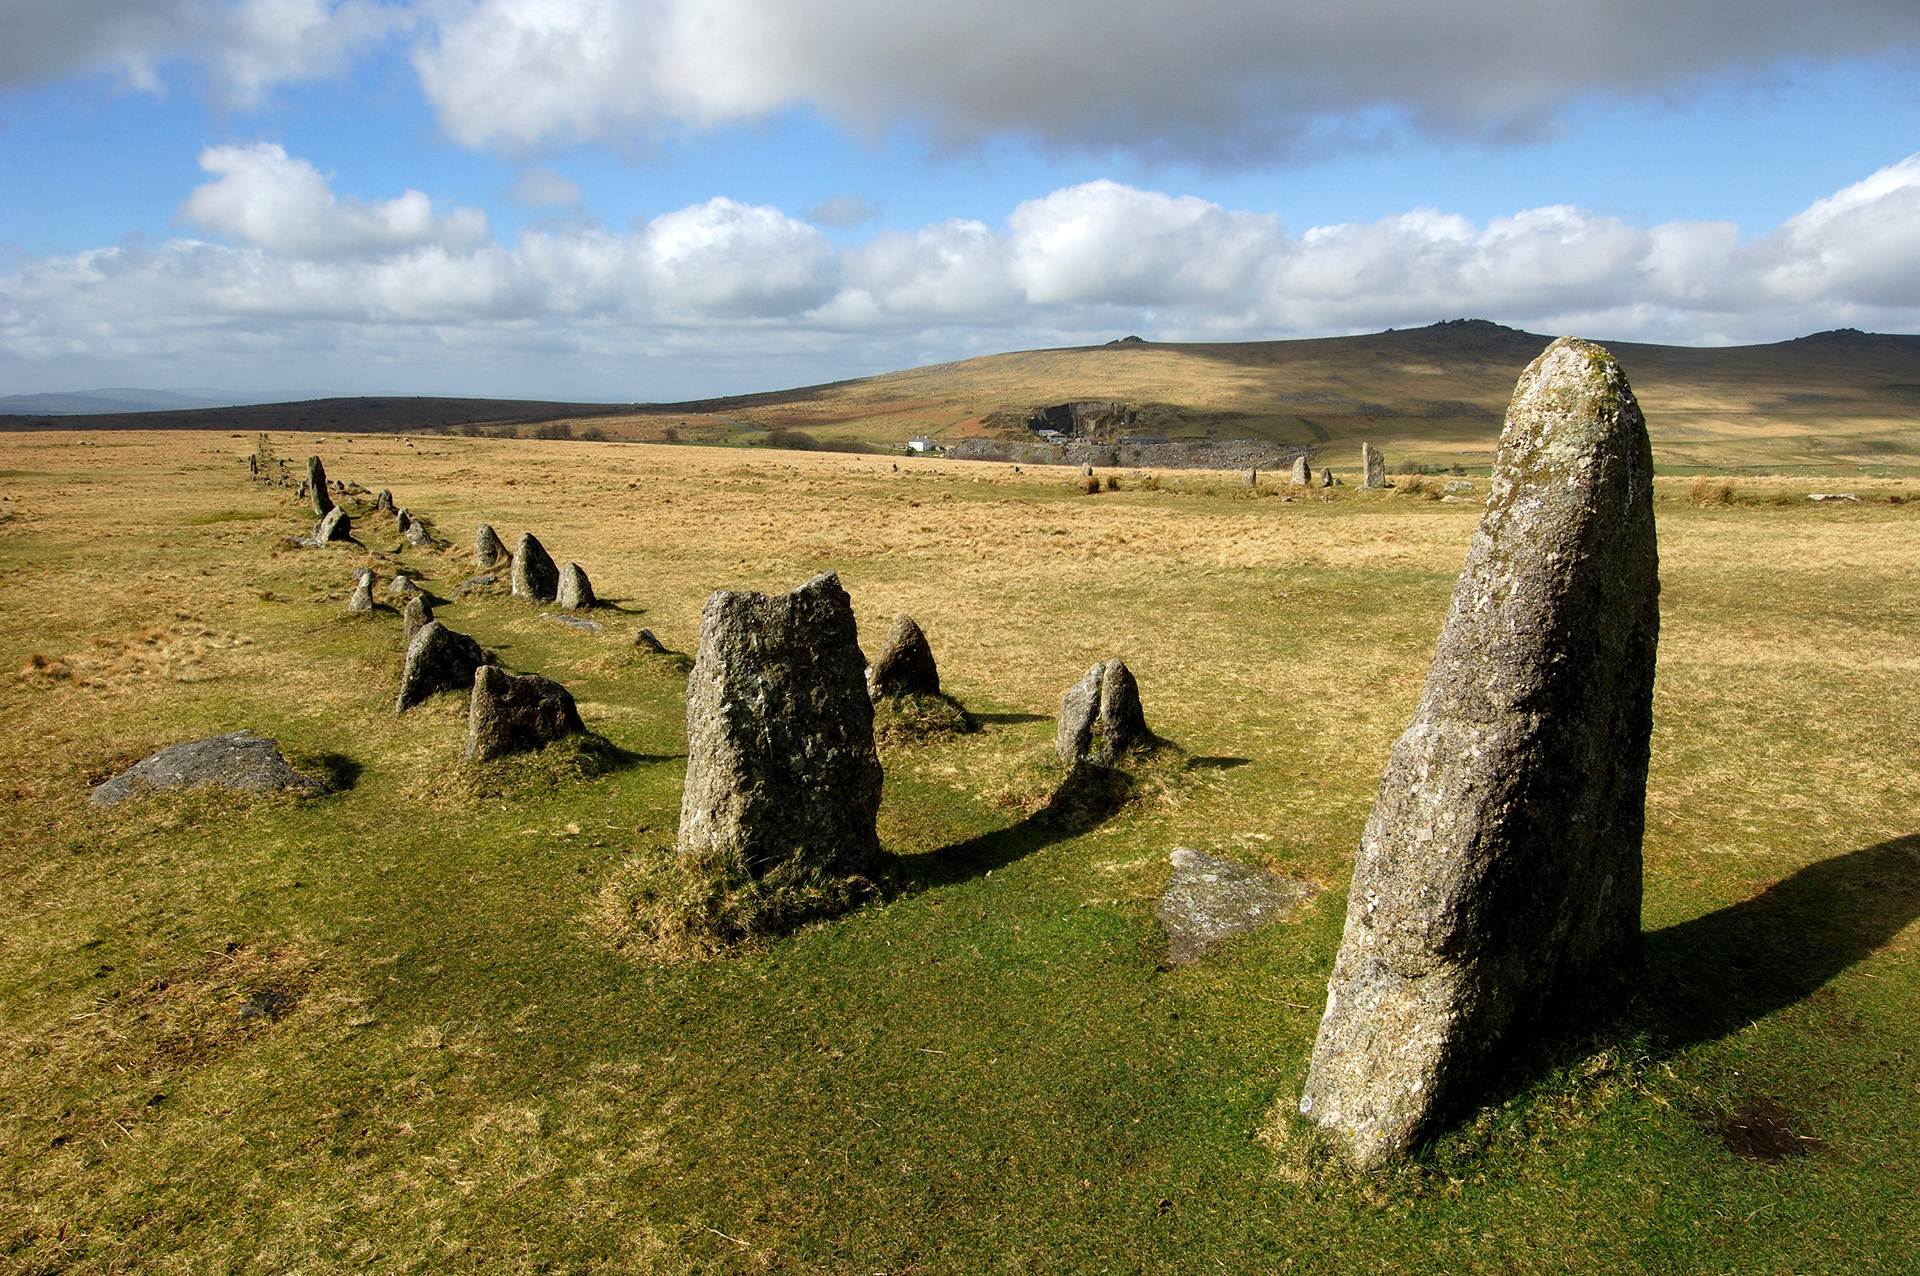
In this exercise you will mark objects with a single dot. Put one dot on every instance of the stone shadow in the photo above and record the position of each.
(1710, 977)
(1010, 719)
(1087, 798)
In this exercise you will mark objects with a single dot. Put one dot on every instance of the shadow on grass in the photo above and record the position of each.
(335, 770)
(1703, 980)
(1215, 764)
(1010, 719)
(1087, 798)
(1712, 976)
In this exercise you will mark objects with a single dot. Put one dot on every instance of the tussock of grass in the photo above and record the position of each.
(561, 765)
(664, 906)
(911, 718)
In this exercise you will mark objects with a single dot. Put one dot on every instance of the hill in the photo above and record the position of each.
(355, 416)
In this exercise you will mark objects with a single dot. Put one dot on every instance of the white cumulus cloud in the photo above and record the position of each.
(725, 296)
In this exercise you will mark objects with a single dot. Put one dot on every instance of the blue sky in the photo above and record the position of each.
(621, 201)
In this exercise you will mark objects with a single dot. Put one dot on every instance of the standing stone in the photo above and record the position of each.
(1250, 478)
(1086, 471)
(402, 584)
(905, 663)
(438, 659)
(781, 767)
(1100, 717)
(534, 575)
(1326, 477)
(416, 617)
(362, 599)
(1373, 466)
(403, 517)
(336, 526)
(384, 502)
(418, 533)
(317, 487)
(1501, 865)
(646, 641)
(1302, 475)
(574, 592)
(253, 467)
(487, 548)
(516, 713)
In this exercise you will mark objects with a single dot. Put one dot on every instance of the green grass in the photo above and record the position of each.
(990, 1069)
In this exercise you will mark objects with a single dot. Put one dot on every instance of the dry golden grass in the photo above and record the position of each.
(466, 1073)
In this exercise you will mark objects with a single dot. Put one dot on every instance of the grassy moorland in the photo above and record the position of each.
(992, 1070)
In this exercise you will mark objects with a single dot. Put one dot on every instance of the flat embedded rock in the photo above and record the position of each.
(573, 622)
(1501, 866)
(1210, 897)
(438, 659)
(516, 713)
(782, 771)
(240, 761)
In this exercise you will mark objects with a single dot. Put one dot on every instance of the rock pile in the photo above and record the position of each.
(241, 761)
(905, 663)
(1101, 718)
(1501, 865)
(517, 713)
(782, 773)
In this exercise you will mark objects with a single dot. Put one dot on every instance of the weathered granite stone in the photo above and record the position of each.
(572, 622)
(534, 575)
(516, 713)
(403, 518)
(1458, 485)
(1078, 708)
(476, 584)
(1210, 897)
(905, 663)
(1250, 478)
(418, 612)
(438, 659)
(1100, 717)
(418, 533)
(402, 585)
(647, 642)
(487, 549)
(384, 502)
(239, 761)
(1302, 475)
(1501, 865)
(336, 526)
(1326, 477)
(317, 487)
(1373, 466)
(362, 599)
(781, 766)
(574, 592)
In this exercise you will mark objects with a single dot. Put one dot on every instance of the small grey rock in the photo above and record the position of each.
(474, 583)
(1302, 475)
(516, 713)
(438, 659)
(240, 761)
(418, 533)
(1210, 897)
(573, 622)
(573, 592)
(403, 517)
(362, 599)
(905, 663)
(647, 642)
(1458, 485)
(534, 575)
(418, 612)
(1100, 717)
(384, 502)
(336, 526)
(1326, 477)
(487, 549)
(402, 585)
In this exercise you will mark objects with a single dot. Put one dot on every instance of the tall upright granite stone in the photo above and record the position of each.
(487, 549)
(317, 487)
(1302, 472)
(905, 663)
(1326, 477)
(781, 766)
(1501, 865)
(415, 617)
(534, 575)
(1373, 466)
